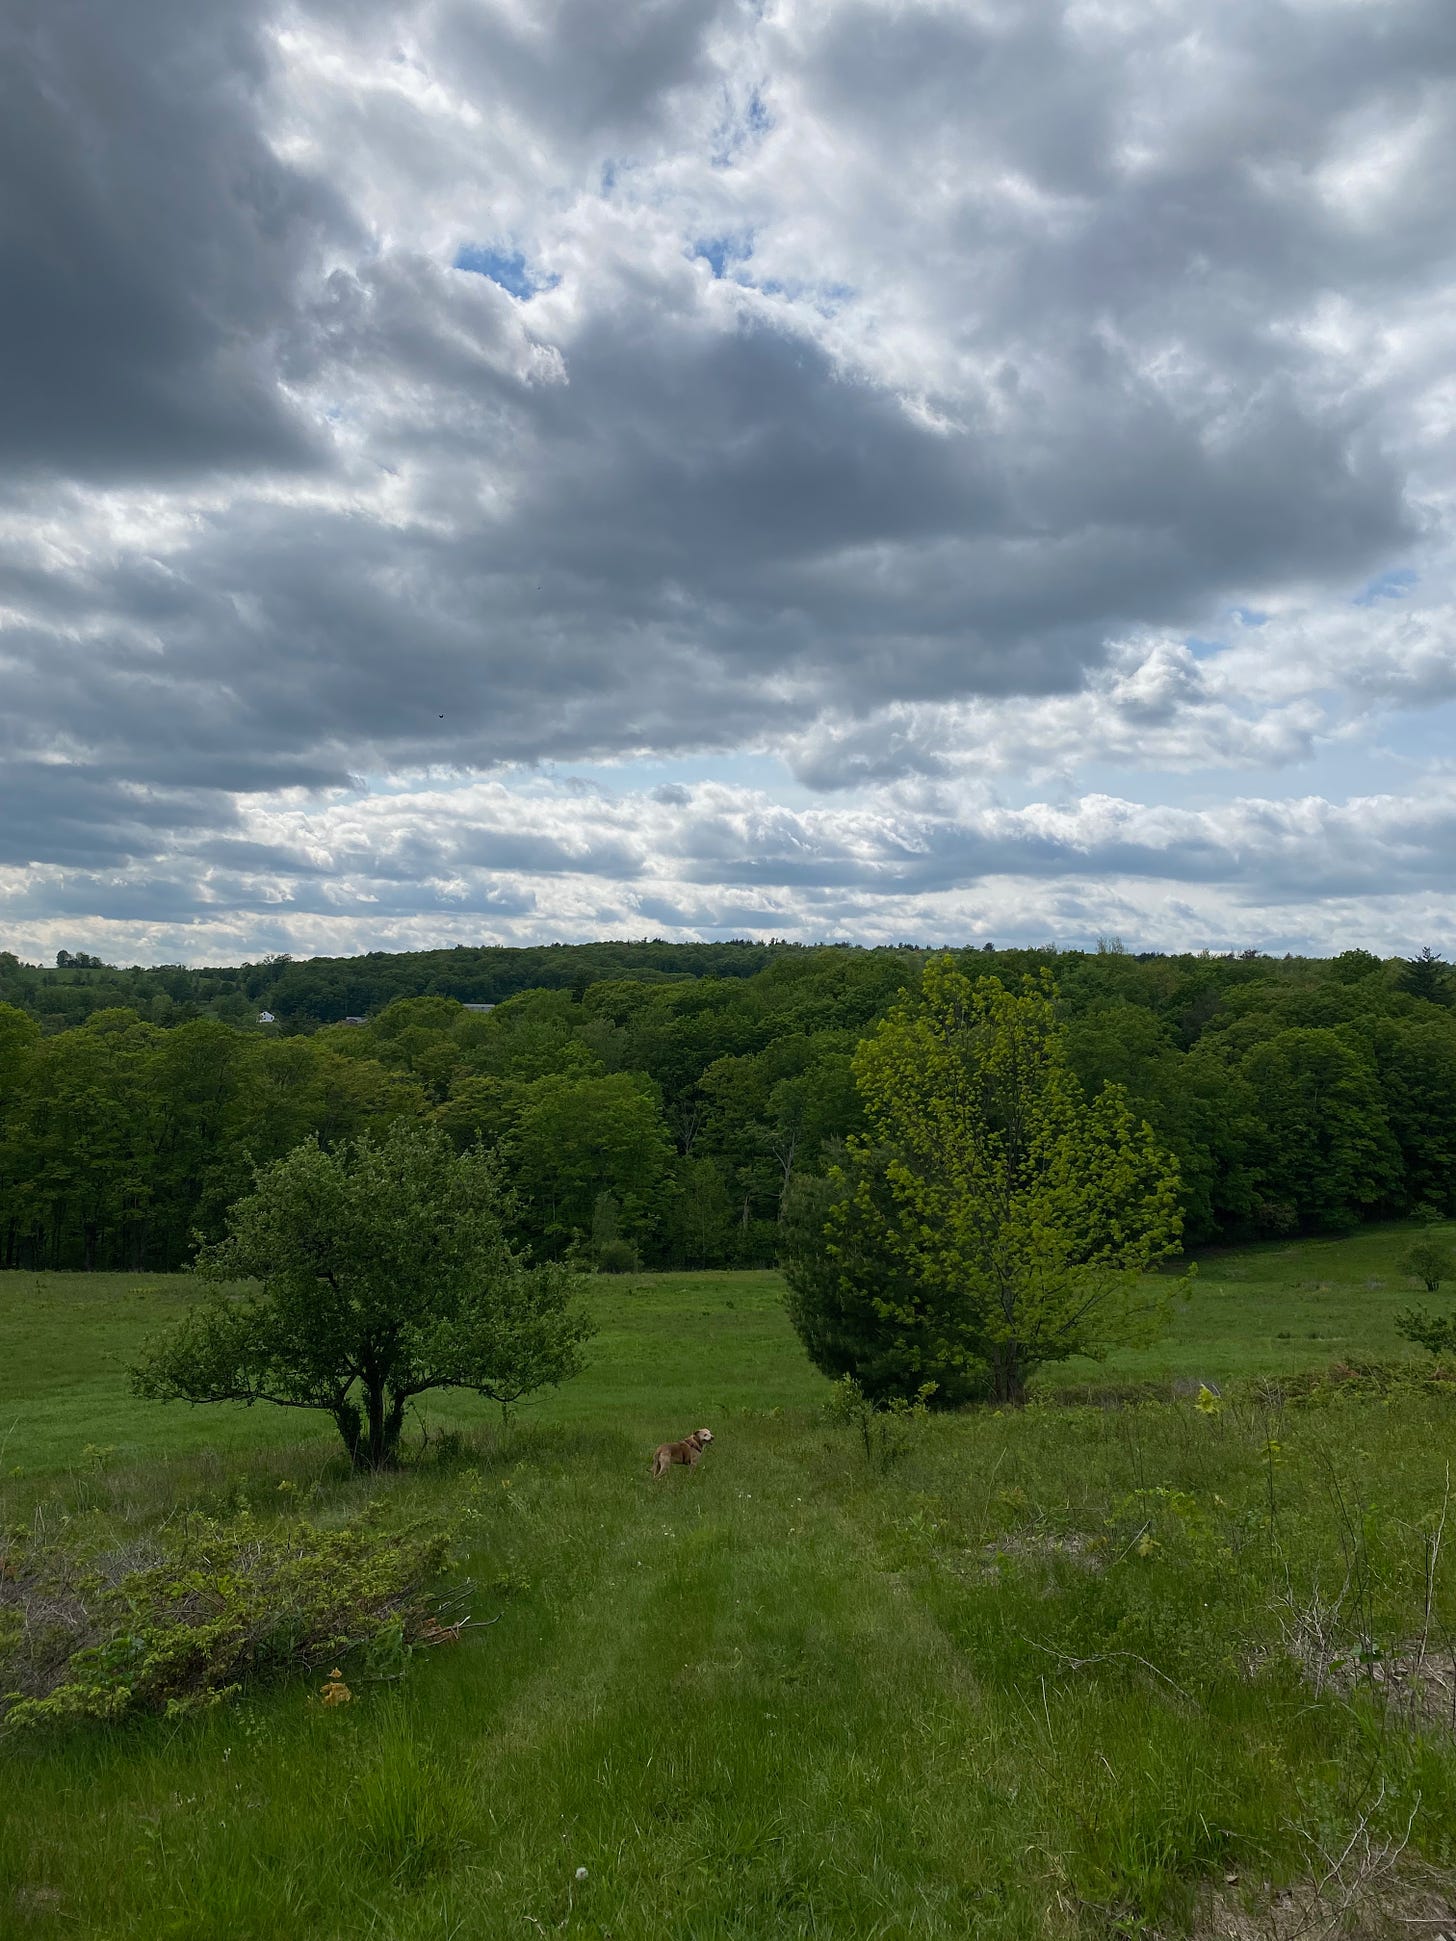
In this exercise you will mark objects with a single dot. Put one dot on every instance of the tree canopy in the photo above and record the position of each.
(993, 1218)
(370, 1275)
(693, 1084)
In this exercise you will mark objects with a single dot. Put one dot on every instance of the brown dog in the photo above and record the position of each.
(687, 1451)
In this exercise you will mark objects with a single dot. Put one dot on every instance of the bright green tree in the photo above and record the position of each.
(1021, 1217)
(382, 1270)
(1429, 1262)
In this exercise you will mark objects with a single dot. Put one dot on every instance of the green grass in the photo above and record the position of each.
(717, 1342)
(1027, 1682)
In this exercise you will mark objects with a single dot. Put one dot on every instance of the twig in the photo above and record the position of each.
(1433, 1558)
(1105, 1658)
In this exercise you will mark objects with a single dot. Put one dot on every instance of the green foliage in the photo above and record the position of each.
(1021, 1217)
(1325, 1147)
(1429, 1262)
(220, 1605)
(1426, 976)
(1436, 1333)
(384, 1271)
(1297, 1096)
(886, 1431)
(575, 1139)
(858, 1306)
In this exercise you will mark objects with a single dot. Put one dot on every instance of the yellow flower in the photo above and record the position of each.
(335, 1692)
(1208, 1403)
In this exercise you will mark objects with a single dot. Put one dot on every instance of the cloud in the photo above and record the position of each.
(533, 859)
(916, 395)
(151, 244)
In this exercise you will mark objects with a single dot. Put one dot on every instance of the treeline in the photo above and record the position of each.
(649, 1114)
(326, 990)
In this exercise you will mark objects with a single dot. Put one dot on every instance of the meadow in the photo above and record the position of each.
(1186, 1665)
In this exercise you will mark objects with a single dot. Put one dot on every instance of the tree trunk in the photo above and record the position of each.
(393, 1424)
(386, 1419)
(350, 1426)
(1008, 1377)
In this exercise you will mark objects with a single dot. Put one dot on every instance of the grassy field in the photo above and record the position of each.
(1077, 1671)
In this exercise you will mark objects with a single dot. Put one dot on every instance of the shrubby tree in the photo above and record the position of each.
(993, 1219)
(1436, 1333)
(1428, 1262)
(858, 1306)
(382, 1270)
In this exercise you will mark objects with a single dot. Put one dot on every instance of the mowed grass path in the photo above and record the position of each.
(1024, 1683)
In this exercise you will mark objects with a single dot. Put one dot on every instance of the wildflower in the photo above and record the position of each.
(581, 1873)
(335, 1692)
(1209, 1401)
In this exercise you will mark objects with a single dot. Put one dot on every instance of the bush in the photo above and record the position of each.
(1428, 1262)
(886, 1430)
(1436, 1333)
(617, 1257)
(1382, 1379)
(185, 1621)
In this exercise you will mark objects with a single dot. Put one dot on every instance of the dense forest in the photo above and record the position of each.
(651, 1102)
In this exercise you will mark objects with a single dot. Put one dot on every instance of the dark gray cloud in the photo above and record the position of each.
(151, 242)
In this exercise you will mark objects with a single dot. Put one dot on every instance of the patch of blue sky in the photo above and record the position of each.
(762, 773)
(740, 132)
(1423, 735)
(506, 267)
(1377, 762)
(1393, 584)
(827, 298)
(1248, 617)
(1203, 649)
(723, 254)
(637, 776)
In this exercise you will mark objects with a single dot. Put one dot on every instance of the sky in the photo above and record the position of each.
(927, 470)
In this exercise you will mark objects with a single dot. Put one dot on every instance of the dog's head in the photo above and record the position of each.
(702, 1436)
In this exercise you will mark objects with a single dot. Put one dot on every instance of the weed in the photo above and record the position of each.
(886, 1430)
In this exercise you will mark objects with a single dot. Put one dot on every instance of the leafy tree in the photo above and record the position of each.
(1325, 1147)
(1416, 1059)
(84, 1133)
(576, 1138)
(1428, 1262)
(1020, 1216)
(1436, 1333)
(701, 1232)
(383, 1271)
(859, 1309)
